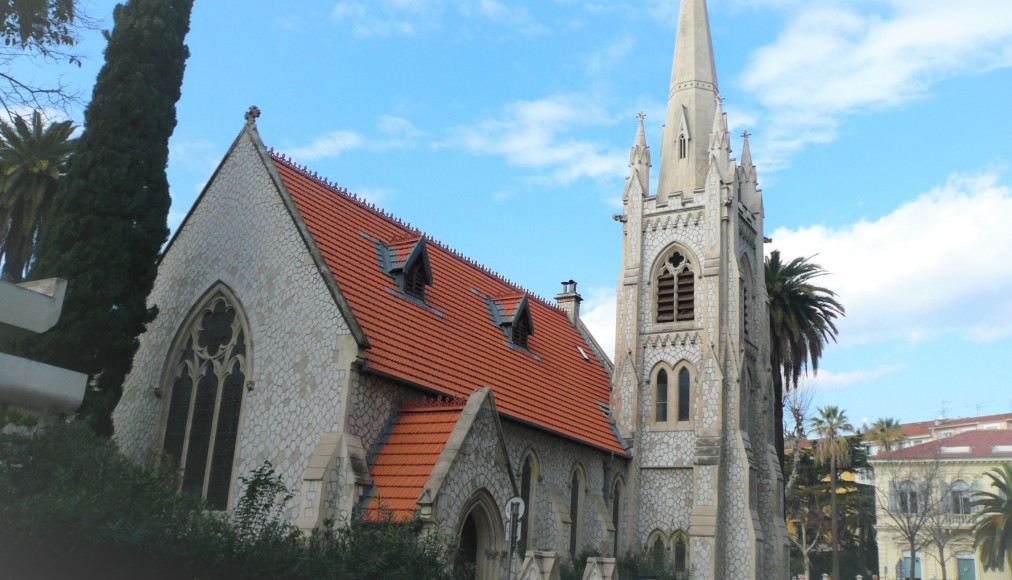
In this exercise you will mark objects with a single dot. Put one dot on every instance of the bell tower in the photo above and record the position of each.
(691, 389)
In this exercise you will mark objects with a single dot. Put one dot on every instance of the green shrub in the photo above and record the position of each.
(72, 507)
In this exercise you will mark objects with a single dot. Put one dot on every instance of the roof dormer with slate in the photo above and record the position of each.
(406, 260)
(513, 315)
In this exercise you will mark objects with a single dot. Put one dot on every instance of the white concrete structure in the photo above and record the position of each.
(25, 385)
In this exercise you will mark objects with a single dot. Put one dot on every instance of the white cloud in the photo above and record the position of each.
(839, 57)
(330, 145)
(199, 155)
(826, 379)
(394, 133)
(598, 313)
(410, 17)
(374, 194)
(612, 54)
(535, 135)
(937, 265)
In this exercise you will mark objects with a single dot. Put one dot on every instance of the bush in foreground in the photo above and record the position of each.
(71, 506)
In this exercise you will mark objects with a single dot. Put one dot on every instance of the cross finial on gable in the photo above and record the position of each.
(641, 116)
(252, 115)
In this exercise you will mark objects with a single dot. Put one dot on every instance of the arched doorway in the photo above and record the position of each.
(480, 537)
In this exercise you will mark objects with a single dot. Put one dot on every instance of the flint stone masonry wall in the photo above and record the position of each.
(242, 234)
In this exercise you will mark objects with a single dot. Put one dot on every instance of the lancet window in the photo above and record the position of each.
(205, 400)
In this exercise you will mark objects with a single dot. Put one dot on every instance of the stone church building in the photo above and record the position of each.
(384, 374)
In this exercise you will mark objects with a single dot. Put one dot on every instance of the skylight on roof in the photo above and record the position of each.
(583, 352)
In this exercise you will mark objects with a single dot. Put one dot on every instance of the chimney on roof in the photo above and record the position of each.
(569, 300)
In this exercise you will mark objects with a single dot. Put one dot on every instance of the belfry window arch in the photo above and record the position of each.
(206, 379)
(675, 281)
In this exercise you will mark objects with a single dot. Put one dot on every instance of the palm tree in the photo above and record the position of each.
(801, 322)
(33, 157)
(831, 425)
(992, 530)
(887, 433)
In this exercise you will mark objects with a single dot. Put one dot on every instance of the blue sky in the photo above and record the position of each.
(502, 128)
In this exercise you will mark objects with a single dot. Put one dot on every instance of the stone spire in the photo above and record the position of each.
(691, 105)
(720, 140)
(746, 166)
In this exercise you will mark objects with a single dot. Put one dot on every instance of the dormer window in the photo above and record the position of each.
(416, 279)
(676, 290)
(512, 314)
(406, 260)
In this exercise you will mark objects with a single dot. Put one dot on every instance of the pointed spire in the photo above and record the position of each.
(641, 134)
(694, 47)
(746, 152)
(691, 107)
(639, 162)
(720, 139)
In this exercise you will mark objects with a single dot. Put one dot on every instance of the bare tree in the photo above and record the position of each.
(797, 407)
(806, 510)
(913, 506)
(33, 32)
(945, 523)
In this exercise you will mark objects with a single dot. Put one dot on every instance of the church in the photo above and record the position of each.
(386, 375)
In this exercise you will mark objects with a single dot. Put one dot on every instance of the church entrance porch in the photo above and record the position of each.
(480, 538)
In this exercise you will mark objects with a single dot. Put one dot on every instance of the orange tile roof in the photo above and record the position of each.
(453, 348)
(406, 460)
(975, 444)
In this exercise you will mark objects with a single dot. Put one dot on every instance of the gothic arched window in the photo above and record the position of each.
(680, 547)
(683, 146)
(676, 289)
(683, 394)
(528, 481)
(661, 404)
(616, 515)
(575, 503)
(205, 399)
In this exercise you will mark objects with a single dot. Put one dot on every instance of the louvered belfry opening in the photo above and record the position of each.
(686, 295)
(521, 331)
(202, 436)
(676, 290)
(415, 280)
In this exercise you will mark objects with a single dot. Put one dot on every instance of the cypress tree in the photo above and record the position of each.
(108, 226)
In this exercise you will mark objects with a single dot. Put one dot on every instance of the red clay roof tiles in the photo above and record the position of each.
(976, 444)
(406, 460)
(453, 348)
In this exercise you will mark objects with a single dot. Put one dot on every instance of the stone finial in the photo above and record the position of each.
(641, 116)
(252, 115)
(746, 135)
